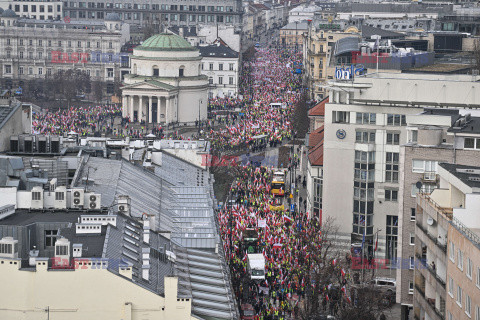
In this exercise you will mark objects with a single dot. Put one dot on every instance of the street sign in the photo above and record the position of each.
(292, 207)
(67, 19)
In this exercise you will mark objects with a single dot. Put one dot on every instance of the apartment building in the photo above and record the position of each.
(291, 35)
(364, 120)
(35, 49)
(41, 10)
(429, 143)
(221, 64)
(447, 267)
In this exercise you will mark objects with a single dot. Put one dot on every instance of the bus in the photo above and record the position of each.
(278, 184)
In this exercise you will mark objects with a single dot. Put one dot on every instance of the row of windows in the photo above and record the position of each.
(164, 17)
(163, 7)
(31, 71)
(33, 8)
(220, 80)
(365, 136)
(368, 118)
(231, 66)
(471, 143)
(59, 43)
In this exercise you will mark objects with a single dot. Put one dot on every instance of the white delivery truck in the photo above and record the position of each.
(256, 266)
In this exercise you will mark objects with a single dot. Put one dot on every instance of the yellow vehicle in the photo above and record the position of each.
(278, 184)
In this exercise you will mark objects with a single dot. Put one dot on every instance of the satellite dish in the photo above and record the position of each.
(430, 221)
(418, 185)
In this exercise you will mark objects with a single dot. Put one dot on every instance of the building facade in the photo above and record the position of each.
(163, 14)
(447, 272)
(35, 49)
(364, 120)
(291, 35)
(220, 64)
(166, 84)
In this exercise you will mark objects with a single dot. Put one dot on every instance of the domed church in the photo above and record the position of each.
(165, 84)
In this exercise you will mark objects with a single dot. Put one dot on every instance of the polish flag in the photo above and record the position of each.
(343, 273)
(344, 290)
(334, 262)
(287, 219)
(245, 257)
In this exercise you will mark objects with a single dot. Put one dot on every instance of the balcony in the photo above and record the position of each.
(428, 304)
(442, 246)
(425, 266)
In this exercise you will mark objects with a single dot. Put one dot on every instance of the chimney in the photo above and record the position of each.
(77, 250)
(180, 31)
(32, 256)
(146, 232)
(145, 272)
(125, 270)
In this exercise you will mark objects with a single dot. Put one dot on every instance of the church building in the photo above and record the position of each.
(165, 84)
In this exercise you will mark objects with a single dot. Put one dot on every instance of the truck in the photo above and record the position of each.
(256, 266)
(278, 184)
(248, 313)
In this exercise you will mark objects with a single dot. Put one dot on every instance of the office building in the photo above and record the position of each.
(364, 119)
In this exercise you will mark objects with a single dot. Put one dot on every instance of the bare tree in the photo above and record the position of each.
(476, 55)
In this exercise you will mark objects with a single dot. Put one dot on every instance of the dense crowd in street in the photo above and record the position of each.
(267, 79)
(283, 239)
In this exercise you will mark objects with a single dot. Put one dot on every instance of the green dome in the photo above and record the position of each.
(166, 42)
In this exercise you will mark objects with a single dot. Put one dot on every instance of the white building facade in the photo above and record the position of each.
(221, 65)
(365, 125)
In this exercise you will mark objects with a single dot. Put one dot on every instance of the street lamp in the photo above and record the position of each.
(199, 103)
(377, 42)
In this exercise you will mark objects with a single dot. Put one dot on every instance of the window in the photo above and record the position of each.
(391, 167)
(8, 54)
(340, 117)
(110, 72)
(50, 238)
(230, 80)
(460, 259)
(365, 136)
(211, 66)
(459, 295)
(412, 239)
(8, 68)
(393, 138)
(180, 72)
(21, 54)
(478, 277)
(59, 196)
(450, 286)
(391, 195)
(471, 143)
(469, 268)
(468, 305)
(412, 262)
(392, 235)
(40, 55)
(220, 80)
(155, 72)
(20, 70)
(220, 66)
(412, 214)
(452, 251)
(30, 70)
(40, 71)
(210, 80)
(396, 120)
(410, 287)
(36, 196)
(366, 118)
(230, 66)
(422, 166)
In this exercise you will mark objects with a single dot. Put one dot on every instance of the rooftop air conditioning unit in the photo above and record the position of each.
(94, 201)
(78, 198)
(60, 198)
